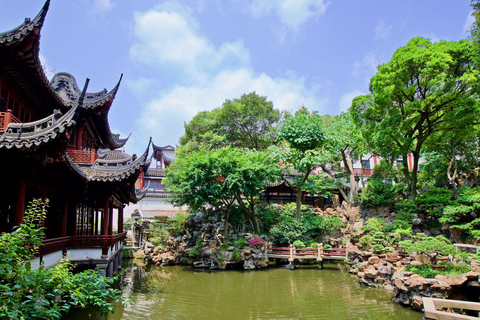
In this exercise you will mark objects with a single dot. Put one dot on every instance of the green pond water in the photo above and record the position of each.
(179, 292)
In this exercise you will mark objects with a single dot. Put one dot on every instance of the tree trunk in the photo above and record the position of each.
(452, 177)
(299, 203)
(348, 163)
(406, 173)
(344, 195)
(416, 158)
(249, 213)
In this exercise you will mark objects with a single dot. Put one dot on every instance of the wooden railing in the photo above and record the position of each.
(6, 118)
(318, 253)
(79, 242)
(80, 156)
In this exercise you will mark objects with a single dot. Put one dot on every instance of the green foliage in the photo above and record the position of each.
(331, 224)
(464, 218)
(378, 248)
(241, 243)
(195, 252)
(299, 244)
(300, 137)
(177, 224)
(287, 231)
(429, 245)
(374, 225)
(224, 246)
(405, 210)
(378, 193)
(245, 122)
(434, 200)
(28, 293)
(236, 255)
(268, 215)
(426, 271)
(366, 241)
(425, 88)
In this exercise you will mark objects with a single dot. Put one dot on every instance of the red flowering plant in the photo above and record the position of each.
(256, 242)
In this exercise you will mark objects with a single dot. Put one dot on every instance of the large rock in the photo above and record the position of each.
(415, 283)
(400, 285)
(384, 270)
(373, 260)
(417, 302)
(371, 272)
(363, 266)
(248, 265)
(392, 257)
(475, 265)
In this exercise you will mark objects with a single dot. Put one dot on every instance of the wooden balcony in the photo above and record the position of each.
(79, 242)
(80, 156)
(6, 118)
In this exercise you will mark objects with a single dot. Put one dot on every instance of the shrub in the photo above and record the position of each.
(366, 242)
(427, 271)
(241, 243)
(195, 252)
(268, 215)
(332, 224)
(429, 245)
(28, 293)
(378, 193)
(288, 231)
(405, 210)
(299, 244)
(236, 255)
(373, 225)
(177, 224)
(434, 200)
(256, 242)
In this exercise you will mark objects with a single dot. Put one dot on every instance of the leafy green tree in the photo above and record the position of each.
(344, 143)
(426, 87)
(220, 178)
(246, 122)
(300, 137)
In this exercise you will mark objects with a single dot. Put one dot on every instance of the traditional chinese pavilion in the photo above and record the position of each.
(150, 182)
(56, 144)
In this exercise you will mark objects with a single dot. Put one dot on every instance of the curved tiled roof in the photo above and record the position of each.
(111, 169)
(65, 85)
(17, 34)
(34, 134)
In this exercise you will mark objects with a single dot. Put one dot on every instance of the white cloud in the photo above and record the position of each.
(47, 69)
(292, 13)
(382, 30)
(165, 116)
(103, 5)
(468, 22)
(171, 39)
(346, 100)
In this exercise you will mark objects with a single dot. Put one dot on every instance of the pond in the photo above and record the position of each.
(180, 292)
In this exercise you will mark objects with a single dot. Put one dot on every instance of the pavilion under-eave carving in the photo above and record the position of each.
(56, 143)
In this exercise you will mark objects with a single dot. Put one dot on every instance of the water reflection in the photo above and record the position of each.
(308, 293)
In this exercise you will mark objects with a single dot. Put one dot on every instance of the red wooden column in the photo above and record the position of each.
(20, 206)
(110, 219)
(64, 218)
(120, 220)
(106, 209)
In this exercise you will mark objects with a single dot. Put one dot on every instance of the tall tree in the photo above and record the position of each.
(300, 136)
(421, 90)
(220, 178)
(246, 122)
(346, 145)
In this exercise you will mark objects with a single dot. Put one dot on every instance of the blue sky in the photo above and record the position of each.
(182, 57)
